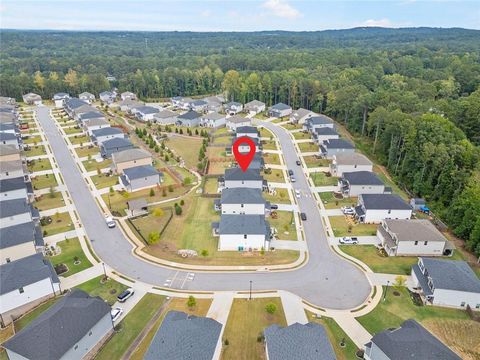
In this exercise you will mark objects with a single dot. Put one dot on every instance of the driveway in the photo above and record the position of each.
(326, 280)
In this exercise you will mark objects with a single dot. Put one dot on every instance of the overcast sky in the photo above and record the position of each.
(246, 15)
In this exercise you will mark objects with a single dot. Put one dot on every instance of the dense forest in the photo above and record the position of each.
(411, 95)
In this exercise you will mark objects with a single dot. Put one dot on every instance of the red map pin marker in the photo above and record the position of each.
(244, 159)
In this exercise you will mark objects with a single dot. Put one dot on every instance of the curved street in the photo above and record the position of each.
(326, 280)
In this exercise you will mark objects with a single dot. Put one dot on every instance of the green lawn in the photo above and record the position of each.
(79, 139)
(285, 225)
(103, 181)
(39, 165)
(72, 130)
(270, 158)
(86, 150)
(273, 175)
(341, 227)
(187, 147)
(291, 126)
(246, 322)
(313, 161)
(91, 165)
(107, 291)
(396, 189)
(269, 145)
(321, 179)
(71, 249)
(61, 222)
(280, 197)
(265, 133)
(301, 135)
(308, 147)
(336, 336)
(37, 150)
(154, 222)
(46, 201)
(44, 181)
(32, 139)
(211, 185)
(331, 202)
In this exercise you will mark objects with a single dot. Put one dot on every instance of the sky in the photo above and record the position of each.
(233, 15)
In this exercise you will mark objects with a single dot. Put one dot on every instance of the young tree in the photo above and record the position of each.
(271, 308)
(191, 302)
(152, 192)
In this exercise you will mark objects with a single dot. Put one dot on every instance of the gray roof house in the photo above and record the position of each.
(16, 211)
(87, 97)
(32, 99)
(107, 96)
(213, 120)
(127, 95)
(233, 107)
(242, 201)
(446, 283)
(145, 113)
(237, 121)
(318, 121)
(190, 118)
(128, 105)
(106, 133)
(199, 105)
(165, 117)
(332, 147)
(298, 342)
(373, 208)
(250, 131)
(12, 169)
(72, 104)
(9, 139)
(235, 177)
(414, 237)
(67, 330)
(89, 115)
(15, 188)
(410, 341)
(361, 182)
(299, 116)
(140, 177)
(107, 148)
(349, 162)
(324, 133)
(242, 232)
(20, 240)
(61, 96)
(254, 107)
(185, 337)
(279, 110)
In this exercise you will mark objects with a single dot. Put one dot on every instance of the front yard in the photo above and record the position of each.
(32, 139)
(308, 147)
(341, 227)
(72, 256)
(61, 222)
(44, 181)
(39, 165)
(285, 225)
(322, 179)
(91, 165)
(245, 325)
(331, 202)
(35, 150)
(273, 175)
(108, 290)
(265, 133)
(103, 181)
(269, 145)
(300, 135)
(49, 201)
(314, 161)
(270, 158)
(72, 130)
(87, 150)
(79, 139)
(280, 196)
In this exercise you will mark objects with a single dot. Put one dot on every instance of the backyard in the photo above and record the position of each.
(61, 222)
(43, 181)
(245, 325)
(186, 147)
(211, 186)
(72, 256)
(322, 179)
(341, 227)
(107, 290)
(285, 225)
(331, 202)
(154, 222)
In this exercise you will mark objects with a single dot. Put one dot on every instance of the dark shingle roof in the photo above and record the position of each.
(384, 201)
(280, 106)
(243, 224)
(184, 337)
(13, 207)
(298, 342)
(325, 131)
(338, 144)
(199, 102)
(91, 115)
(12, 184)
(25, 271)
(17, 234)
(106, 131)
(213, 116)
(238, 119)
(412, 341)
(164, 114)
(147, 109)
(238, 174)
(59, 328)
(452, 275)
(242, 196)
(4, 136)
(115, 143)
(362, 178)
(138, 172)
(246, 130)
(190, 115)
(319, 120)
(74, 103)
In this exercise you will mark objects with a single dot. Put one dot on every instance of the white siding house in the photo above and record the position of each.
(237, 121)
(360, 182)
(373, 208)
(349, 162)
(213, 120)
(101, 135)
(235, 178)
(241, 201)
(254, 107)
(279, 110)
(243, 233)
(140, 177)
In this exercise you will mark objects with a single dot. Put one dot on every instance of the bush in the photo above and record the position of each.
(178, 210)
(204, 252)
(153, 237)
(152, 193)
(157, 212)
(191, 302)
(182, 202)
(271, 308)
(164, 193)
(187, 181)
(170, 188)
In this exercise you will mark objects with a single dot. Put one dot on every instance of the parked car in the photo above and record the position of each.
(274, 207)
(290, 172)
(292, 178)
(297, 193)
(116, 313)
(298, 162)
(348, 210)
(109, 221)
(348, 240)
(125, 295)
(303, 216)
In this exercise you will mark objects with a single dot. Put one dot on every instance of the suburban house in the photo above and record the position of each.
(130, 158)
(279, 110)
(214, 103)
(90, 115)
(15, 188)
(233, 108)
(235, 178)
(244, 147)
(128, 105)
(322, 134)
(127, 95)
(107, 148)
(140, 177)
(19, 241)
(107, 97)
(317, 122)
(241, 201)
(83, 109)
(184, 103)
(254, 107)
(250, 131)
(360, 182)
(199, 105)
(349, 162)
(415, 237)
(446, 283)
(69, 329)
(95, 124)
(299, 116)
(9, 128)
(32, 99)
(145, 113)
(12, 169)
(258, 163)
(242, 232)
(176, 100)
(237, 121)
(373, 208)
(213, 120)
(182, 336)
(298, 341)
(87, 97)
(9, 152)
(410, 341)
(336, 146)
(71, 104)
(190, 118)
(165, 117)
(16, 211)
(24, 284)
(106, 133)
(7, 138)
(59, 99)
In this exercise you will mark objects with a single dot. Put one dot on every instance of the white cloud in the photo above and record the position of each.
(282, 9)
(381, 23)
(206, 13)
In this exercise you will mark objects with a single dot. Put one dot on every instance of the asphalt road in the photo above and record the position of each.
(326, 280)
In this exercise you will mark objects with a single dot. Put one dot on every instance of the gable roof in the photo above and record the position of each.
(130, 154)
(299, 342)
(142, 171)
(319, 119)
(338, 144)
(254, 103)
(199, 102)
(87, 95)
(25, 271)
(238, 174)
(183, 337)
(325, 131)
(14, 207)
(232, 104)
(12, 184)
(238, 120)
(97, 122)
(384, 202)
(164, 114)
(213, 116)
(362, 178)
(8, 149)
(414, 230)
(60, 95)
(17, 234)
(189, 115)
(59, 328)
(116, 142)
(300, 113)
(351, 158)
(106, 131)
(280, 106)
(452, 275)
(74, 103)
(412, 341)
(243, 224)
(242, 196)
(91, 115)
(247, 130)
(146, 109)
(4, 136)
(12, 165)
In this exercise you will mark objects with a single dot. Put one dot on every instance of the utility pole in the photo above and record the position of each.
(250, 297)
(386, 290)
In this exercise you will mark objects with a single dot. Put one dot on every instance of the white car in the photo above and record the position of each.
(109, 221)
(116, 313)
(348, 210)
(297, 193)
(348, 240)
(125, 295)
(292, 178)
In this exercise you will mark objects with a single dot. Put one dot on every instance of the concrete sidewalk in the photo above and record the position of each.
(359, 335)
(220, 307)
(293, 308)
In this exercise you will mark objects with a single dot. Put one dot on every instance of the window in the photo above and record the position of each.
(90, 333)
(21, 290)
(462, 304)
(416, 243)
(389, 211)
(7, 260)
(425, 242)
(76, 347)
(477, 306)
(241, 205)
(245, 236)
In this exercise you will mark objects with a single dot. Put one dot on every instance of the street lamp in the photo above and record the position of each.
(250, 298)
(104, 271)
(386, 290)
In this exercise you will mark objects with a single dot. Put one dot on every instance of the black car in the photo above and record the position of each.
(303, 216)
(290, 172)
(274, 207)
(298, 162)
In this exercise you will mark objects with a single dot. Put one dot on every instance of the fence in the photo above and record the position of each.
(139, 233)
